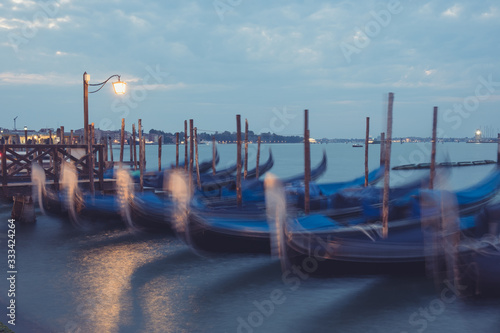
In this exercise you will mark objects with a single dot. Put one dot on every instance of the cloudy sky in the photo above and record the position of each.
(266, 60)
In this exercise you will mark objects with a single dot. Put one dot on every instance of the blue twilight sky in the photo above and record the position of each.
(266, 60)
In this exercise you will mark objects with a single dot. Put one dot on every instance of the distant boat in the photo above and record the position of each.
(357, 145)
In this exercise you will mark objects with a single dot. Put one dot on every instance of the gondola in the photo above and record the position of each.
(244, 231)
(253, 189)
(92, 206)
(153, 211)
(212, 185)
(154, 179)
(361, 245)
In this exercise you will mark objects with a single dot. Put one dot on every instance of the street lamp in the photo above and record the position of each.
(26, 135)
(119, 87)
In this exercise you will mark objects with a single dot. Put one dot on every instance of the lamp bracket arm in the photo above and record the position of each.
(102, 83)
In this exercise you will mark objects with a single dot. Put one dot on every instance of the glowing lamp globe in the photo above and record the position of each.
(120, 87)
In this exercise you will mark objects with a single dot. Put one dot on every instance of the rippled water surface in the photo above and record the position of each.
(104, 278)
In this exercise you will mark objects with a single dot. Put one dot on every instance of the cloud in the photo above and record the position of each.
(262, 54)
(10, 78)
(453, 11)
(491, 13)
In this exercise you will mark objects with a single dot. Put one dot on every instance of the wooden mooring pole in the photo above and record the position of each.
(307, 162)
(198, 180)
(191, 152)
(111, 148)
(185, 145)
(382, 148)
(70, 140)
(92, 135)
(23, 209)
(176, 150)
(387, 161)
(367, 137)
(159, 152)
(246, 150)
(142, 161)
(106, 157)
(122, 140)
(433, 151)
(131, 149)
(214, 150)
(141, 155)
(258, 158)
(238, 161)
(90, 160)
(134, 143)
(498, 149)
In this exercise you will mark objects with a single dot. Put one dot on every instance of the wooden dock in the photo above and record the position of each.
(17, 161)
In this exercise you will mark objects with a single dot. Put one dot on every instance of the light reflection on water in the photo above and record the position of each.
(103, 278)
(108, 280)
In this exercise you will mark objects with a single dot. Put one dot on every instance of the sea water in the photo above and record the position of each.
(101, 277)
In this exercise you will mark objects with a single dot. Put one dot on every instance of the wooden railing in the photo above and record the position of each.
(17, 162)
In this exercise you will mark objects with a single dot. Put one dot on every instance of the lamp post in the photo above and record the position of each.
(25, 135)
(118, 86)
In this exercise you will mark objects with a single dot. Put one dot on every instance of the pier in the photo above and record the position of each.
(17, 161)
